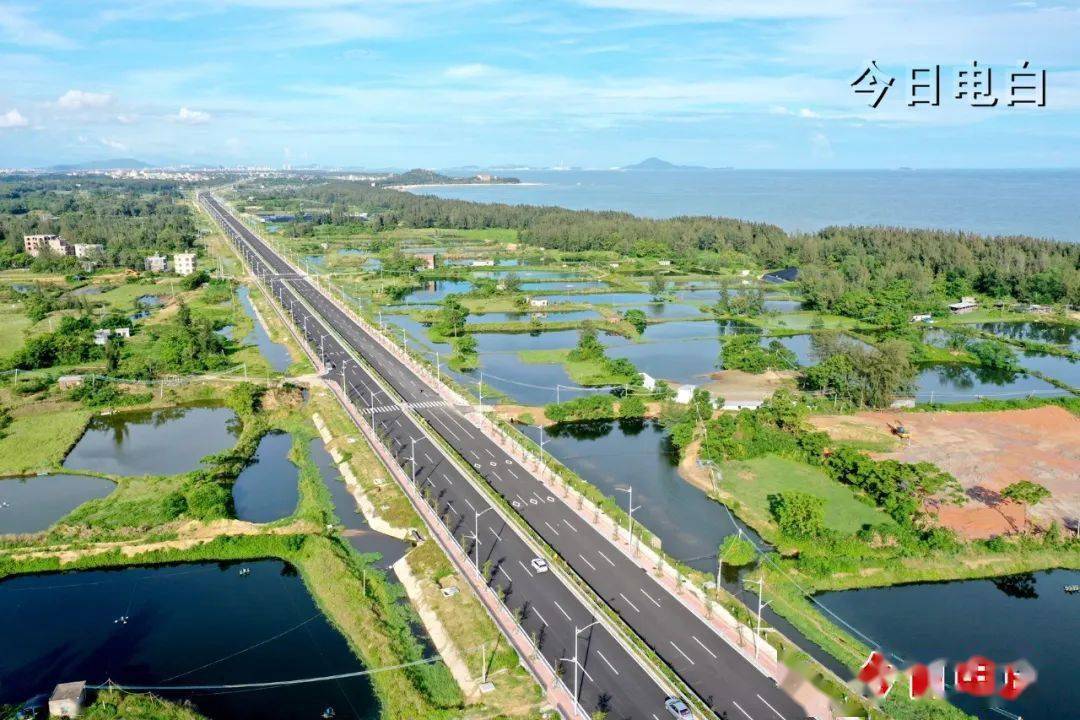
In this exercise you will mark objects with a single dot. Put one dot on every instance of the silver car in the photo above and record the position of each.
(678, 709)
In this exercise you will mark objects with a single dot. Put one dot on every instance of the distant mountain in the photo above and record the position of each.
(113, 164)
(420, 176)
(655, 163)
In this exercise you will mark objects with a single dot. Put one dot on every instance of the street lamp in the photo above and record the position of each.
(630, 511)
(412, 458)
(476, 532)
(577, 665)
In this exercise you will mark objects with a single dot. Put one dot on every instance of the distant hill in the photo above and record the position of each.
(113, 164)
(655, 163)
(420, 176)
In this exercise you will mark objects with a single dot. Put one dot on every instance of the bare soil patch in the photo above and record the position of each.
(985, 451)
(738, 387)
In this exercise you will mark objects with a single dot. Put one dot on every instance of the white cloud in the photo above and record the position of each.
(13, 119)
(192, 117)
(127, 119)
(820, 146)
(114, 144)
(808, 113)
(17, 27)
(465, 72)
(330, 28)
(731, 9)
(82, 100)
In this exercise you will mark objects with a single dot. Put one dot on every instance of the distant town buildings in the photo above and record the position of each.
(967, 304)
(184, 263)
(34, 244)
(156, 263)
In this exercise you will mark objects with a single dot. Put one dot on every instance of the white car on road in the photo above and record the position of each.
(539, 565)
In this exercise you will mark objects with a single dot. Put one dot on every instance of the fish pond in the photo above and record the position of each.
(187, 624)
(153, 442)
(277, 354)
(268, 488)
(1028, 616)
(32, 504)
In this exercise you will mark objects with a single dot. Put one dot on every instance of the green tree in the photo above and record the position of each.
(637, 319)
(1026, 493)
(114, 353)
(658, 287)
(797, 514)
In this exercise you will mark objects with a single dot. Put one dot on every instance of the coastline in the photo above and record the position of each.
(409, 188)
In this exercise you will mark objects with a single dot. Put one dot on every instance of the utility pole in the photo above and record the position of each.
(412, 458)
(760, 606)
(476, 532)
(481, 387)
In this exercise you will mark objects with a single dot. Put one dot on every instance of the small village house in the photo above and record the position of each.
(184, 263)
(967, 304)
(67, 699)
(685, 394)
(34, 244)
(156, 263)
(648, 381)
(538, 302)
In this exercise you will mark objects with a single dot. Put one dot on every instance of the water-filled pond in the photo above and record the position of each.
(689, 361)
(695, 329)
(556, 286)
(1058, 367)
(550, 316)
(436, 290)
(357, 531)
(1050, 333)
(552, 340)
(963, 383)
(528, 274)
(666, 311)
(613, 298)
(153, 442)
(32, 504)
(189, 624)
(277, 354)
(1004, 619)
(148, 301)
(267, 489)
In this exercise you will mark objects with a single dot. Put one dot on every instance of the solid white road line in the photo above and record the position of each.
(654, 602)
(771, 707)
(506, 573)
(540, 616)
(629, 603)
(585, 560)
(552, 527)
(569, 525)
(607, 662)
(447, 479)
(525, 568)
(741, 710)
(492, 530)
(705, 648)
(601, 552)
(490, 453)
(681, 652)
(561, 610)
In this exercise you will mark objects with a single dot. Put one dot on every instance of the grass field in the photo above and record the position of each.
(752, 481)
(13, 325)
(587, 373)
(40, 437)
(802, 321)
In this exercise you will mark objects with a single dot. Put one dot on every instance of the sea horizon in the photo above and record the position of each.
(1040, 203)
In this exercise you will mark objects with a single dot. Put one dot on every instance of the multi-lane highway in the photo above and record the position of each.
(609, 677)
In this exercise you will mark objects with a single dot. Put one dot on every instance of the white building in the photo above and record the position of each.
(685, 394)
(34, 244)
(83, 250)
(663, 263)
(67, 699)
(483, 263)
(648, 381)
(922, 318)
(538, 302)
(156, 263)
(184, 263)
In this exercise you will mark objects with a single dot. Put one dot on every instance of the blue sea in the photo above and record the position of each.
(1041, 203)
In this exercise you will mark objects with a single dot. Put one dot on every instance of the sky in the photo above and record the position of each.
(593, 83)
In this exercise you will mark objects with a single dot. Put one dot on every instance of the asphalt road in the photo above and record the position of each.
(609, 678)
